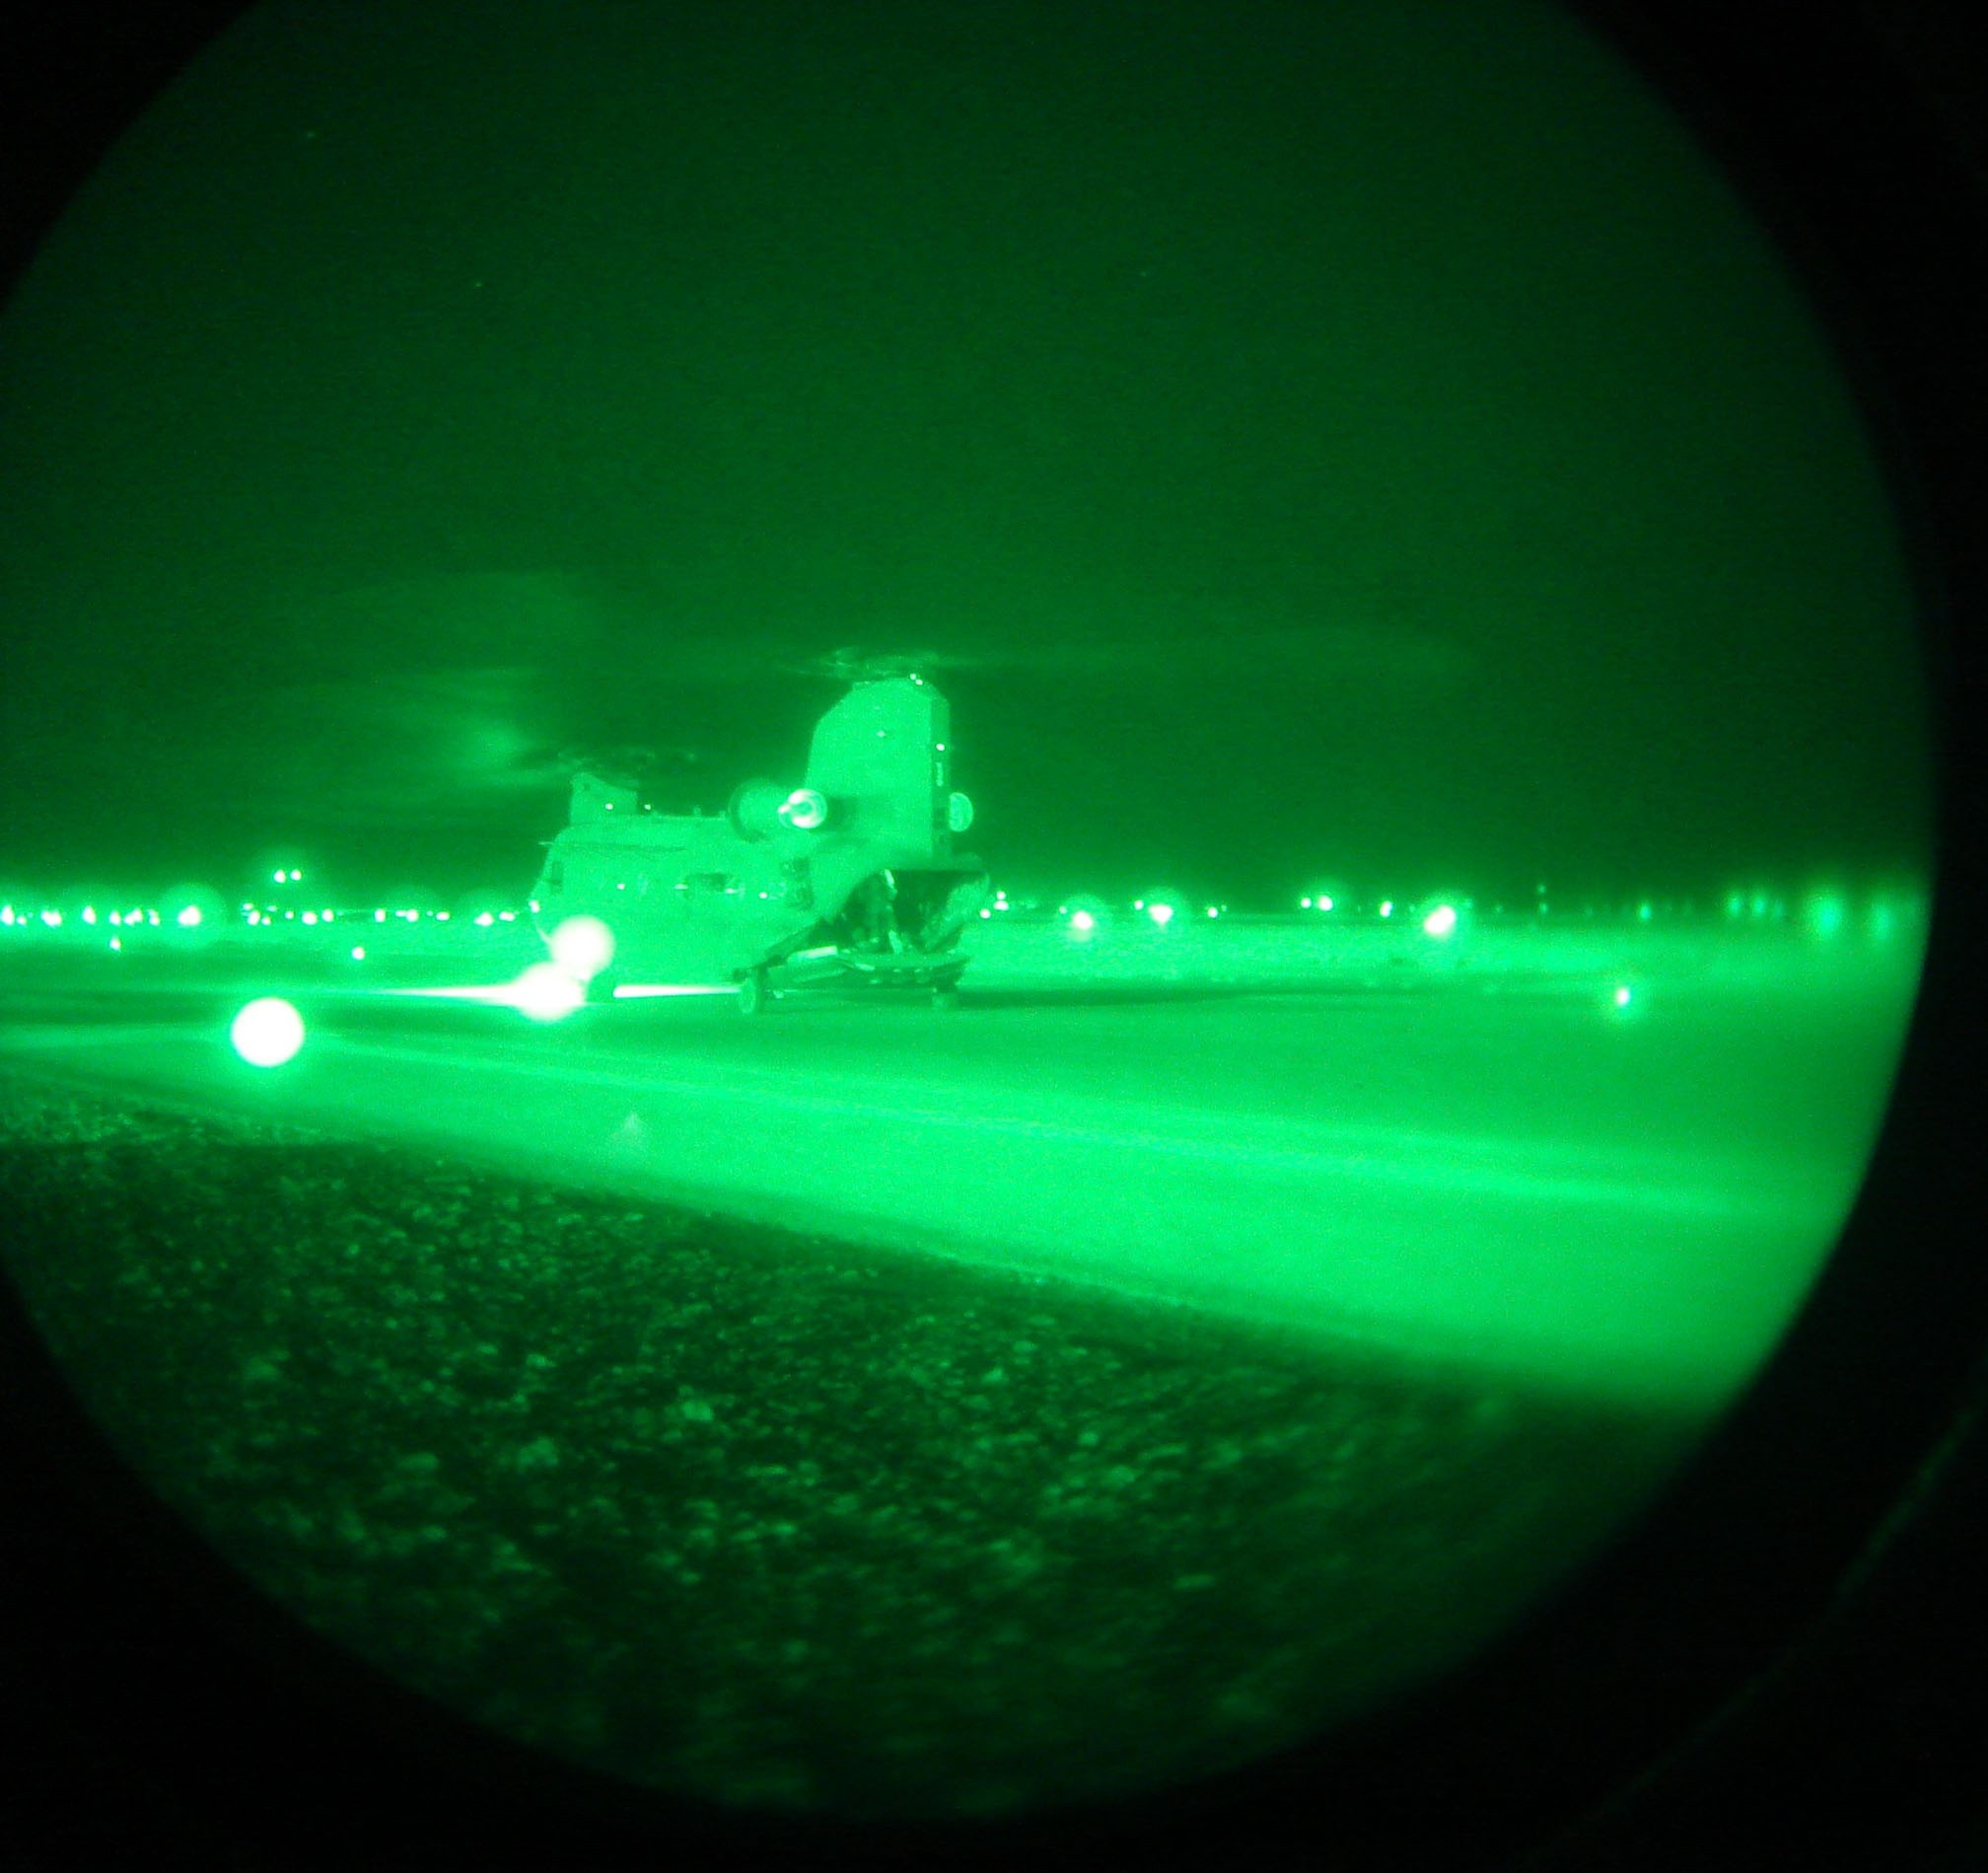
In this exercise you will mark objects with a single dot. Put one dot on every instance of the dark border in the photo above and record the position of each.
(1772, 1669)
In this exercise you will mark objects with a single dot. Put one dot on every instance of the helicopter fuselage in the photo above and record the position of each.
(853, 873)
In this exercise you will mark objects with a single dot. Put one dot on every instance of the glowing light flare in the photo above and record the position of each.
(310, 916)
(89, 913)
(1387, 907)
(544, 992)
(1081, 922)
(357, 953)
(1441, 921)
(1161, 913)
(581, 947)
(267, 1031)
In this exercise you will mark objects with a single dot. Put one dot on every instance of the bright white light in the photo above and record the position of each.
(1440, 921)
(357, 953)
(152, 917)
(507, 917)
(6, 913)
(804, 809)
(277, 877)
(89, 913)
(986, 913)
(53, 919)
(1303, 903)
(267, 1032)
(1622, 996)
(1213, 911)
(441, 917)
(116, 943)
(546, 992)
(310, 916)
(1325, 904)
(379, 917)
(583, 947)
(1388, 908)
(1083, 924)
(295, 875)
(484, 920)
(1162, 914)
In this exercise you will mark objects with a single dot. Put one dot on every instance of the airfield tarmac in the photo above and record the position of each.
(1606, 1159)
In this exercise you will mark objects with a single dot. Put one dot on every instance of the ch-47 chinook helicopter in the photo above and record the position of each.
(851, 874)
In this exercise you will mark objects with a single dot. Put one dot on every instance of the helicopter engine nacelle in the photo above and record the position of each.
(759, 809)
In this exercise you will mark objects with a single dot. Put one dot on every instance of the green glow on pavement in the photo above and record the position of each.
(267, 1031)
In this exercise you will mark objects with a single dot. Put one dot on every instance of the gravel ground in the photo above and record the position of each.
(764, 1518)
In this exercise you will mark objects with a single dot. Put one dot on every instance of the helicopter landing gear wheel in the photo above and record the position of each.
(753, 994)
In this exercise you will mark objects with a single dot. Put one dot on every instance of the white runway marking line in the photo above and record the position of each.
(1325, 1152)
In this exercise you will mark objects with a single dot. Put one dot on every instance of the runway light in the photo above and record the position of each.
(1303, 903)
(1387, 908)
(1083, 924)
(484, 920)
(310, 916)
(1823, 914)
(1622, 995)
(116, 943)
(986, 913)
(1440, 921)
(267, 1032)
(357, 953)
(1162, 914)
(89, 913)
(507, 917)
(379, 917)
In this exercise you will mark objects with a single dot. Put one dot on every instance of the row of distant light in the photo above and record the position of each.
(185, 918)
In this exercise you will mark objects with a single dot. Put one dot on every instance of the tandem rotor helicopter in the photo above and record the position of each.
(853, 876)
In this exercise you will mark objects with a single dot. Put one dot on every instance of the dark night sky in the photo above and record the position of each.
(1353, 440)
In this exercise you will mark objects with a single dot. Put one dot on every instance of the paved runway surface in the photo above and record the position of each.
(1495, 1163)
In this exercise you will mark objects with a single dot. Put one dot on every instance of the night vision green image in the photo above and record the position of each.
(929, 910)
